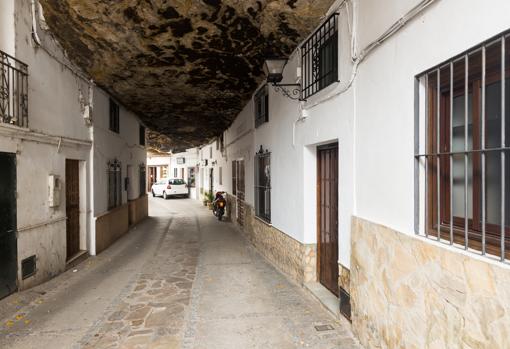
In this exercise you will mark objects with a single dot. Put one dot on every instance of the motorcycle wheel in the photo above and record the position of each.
(219, 217)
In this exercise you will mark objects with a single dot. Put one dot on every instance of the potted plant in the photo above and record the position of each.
(208, 199)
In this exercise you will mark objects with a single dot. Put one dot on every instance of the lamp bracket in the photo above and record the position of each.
(294, 92)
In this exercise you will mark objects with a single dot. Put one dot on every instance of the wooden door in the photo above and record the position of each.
(152, 177)
(8, 241)
(72, 207)
(327, 212)
(211, 181)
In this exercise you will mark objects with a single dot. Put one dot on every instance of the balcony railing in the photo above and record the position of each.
(13, 91)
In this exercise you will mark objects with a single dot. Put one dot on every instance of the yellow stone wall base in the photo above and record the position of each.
(295, 259)
(407, 292)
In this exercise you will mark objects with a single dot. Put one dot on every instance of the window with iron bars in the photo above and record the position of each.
(141, 135)
(319, 57)
(234, 177)
(142, 178)
(13, 91)
(463, 133)
(263, 185)
(261, 101)
(114, 116)
(114, 184)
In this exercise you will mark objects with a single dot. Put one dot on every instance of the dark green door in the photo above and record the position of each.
(8, 242)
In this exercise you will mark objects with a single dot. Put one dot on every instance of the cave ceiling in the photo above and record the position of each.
(186, 67)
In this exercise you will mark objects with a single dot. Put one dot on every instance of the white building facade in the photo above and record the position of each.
(336, 190)
(184, 165)
(54, 151)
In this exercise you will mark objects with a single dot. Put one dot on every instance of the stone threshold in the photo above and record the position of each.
(329, 301)
(77, 259)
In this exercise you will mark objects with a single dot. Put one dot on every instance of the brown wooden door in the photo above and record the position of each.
(327, 220)
(72, 207)
(152, 178)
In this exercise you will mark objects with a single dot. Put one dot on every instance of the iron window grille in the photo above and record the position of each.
(263, 185)
(463, 141)
(141, 135)
(319, 57)
(114, 116)
(261, 101)
(222, 143)
(114, 184)
(142, 178)
(13, 91)
(234, 177)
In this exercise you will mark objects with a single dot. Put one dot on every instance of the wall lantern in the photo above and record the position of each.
(273, 67)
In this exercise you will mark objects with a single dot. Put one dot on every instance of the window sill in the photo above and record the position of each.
(263, 221)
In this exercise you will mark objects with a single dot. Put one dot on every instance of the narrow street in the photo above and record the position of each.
(179, 279)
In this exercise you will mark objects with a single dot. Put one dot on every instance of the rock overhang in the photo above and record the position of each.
(187, 68)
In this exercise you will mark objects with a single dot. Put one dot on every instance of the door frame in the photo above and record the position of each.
(326, 146)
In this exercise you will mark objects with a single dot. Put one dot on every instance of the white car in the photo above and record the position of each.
(170, 187)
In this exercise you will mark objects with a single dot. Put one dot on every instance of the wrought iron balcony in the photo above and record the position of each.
(13, 91)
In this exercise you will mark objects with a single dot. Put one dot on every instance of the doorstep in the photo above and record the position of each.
(77, 259)
(328, 300)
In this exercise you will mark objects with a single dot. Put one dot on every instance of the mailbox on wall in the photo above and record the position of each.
(54, 189)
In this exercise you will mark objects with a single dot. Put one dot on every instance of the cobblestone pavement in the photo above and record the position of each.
(181, 279)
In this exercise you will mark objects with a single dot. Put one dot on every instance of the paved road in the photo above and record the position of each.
(180, 279)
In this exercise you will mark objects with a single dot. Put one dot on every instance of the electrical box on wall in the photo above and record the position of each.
(54, 189)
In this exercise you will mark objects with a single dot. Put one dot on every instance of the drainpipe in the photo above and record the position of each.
(35, 36)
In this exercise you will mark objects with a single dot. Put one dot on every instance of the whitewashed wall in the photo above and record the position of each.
(212, 154)
(108, 145)
(385, 94)
(7, 36)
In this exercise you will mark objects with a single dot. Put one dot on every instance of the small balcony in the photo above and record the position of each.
(13, 91)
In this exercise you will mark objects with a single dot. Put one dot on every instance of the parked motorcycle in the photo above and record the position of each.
(219, 205)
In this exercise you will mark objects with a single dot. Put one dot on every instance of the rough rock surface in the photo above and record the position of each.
(187, 67)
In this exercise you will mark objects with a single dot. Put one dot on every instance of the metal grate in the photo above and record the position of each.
(323, 328)
(345, 304)
(319, 57)
(462, 142)
(13, 91)
(28, 267)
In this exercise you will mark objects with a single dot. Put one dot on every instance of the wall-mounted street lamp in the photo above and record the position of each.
(273, 67)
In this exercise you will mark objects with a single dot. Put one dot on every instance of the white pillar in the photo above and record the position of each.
(7, 33)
